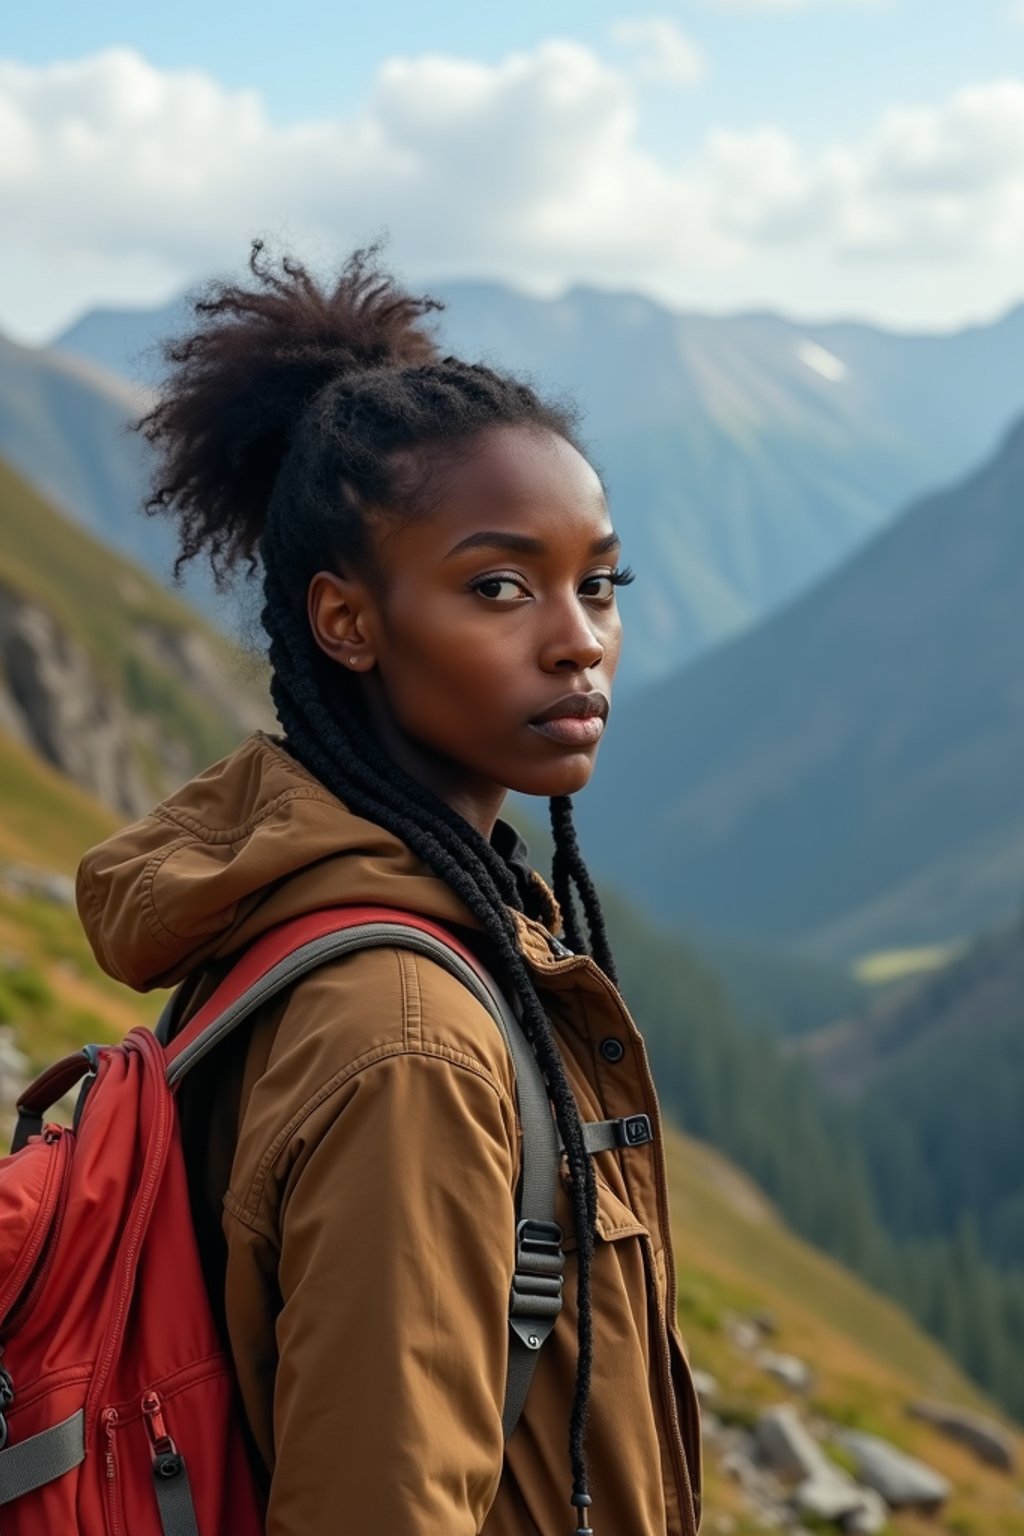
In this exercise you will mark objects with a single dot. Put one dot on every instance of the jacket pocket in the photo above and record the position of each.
(615, 1219)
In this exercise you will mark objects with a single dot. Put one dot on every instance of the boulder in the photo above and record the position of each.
(829, 1497)
(823, 1492)
(788, 1369)
(743, 1333)
(870, 1518)
(903, 1481)
(989, 1441)
(787, 1446)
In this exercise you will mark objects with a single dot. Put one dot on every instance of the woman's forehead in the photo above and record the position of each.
(525, 476)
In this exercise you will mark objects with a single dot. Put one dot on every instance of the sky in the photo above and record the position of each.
(824, 158)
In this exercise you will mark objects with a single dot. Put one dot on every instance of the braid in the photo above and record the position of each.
(294, 416)
(567, 866)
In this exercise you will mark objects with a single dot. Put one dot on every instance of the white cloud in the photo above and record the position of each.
(660, 49)
(120, 181)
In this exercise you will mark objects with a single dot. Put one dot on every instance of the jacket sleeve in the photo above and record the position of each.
(397, 1232)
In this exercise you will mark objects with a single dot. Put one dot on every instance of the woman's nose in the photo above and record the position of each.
(572, 644)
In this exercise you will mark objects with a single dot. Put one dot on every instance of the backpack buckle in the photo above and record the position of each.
(536, 1298)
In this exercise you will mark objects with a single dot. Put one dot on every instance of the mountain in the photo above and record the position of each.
(847, 776)
(64, 425)
(934, 1074)
(109, 678)
(744, 455)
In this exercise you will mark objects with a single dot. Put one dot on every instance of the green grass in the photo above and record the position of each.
(47, 820)
(51, 989)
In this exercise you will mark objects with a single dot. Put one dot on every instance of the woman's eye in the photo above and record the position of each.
(601, 587)
(499, 588)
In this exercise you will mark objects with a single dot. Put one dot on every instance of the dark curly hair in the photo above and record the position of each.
(293, 416)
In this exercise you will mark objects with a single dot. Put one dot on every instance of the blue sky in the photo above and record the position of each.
(821, 156)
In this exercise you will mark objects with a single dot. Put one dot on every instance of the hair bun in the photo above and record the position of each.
(239, 380)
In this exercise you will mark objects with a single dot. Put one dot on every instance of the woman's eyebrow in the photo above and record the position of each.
(523, 544)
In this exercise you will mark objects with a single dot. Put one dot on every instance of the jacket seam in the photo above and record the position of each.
(247, 1211)
(412, 1002)
(157, 927)
(192, 830)
(213, 835)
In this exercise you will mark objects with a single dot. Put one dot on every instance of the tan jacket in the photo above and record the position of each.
(358, 1146)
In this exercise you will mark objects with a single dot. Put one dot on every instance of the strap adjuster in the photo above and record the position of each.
(536, 1298)
(634, 1130)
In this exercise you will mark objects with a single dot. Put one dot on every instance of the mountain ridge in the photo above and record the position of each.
(744, 455)
(842, 777)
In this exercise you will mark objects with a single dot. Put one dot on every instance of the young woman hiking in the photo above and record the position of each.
(439, 574)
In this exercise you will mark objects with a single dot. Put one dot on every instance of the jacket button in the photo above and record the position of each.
(612, 1049)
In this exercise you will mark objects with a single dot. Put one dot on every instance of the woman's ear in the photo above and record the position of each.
(340, 616)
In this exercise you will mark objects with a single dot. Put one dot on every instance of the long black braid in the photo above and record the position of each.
(340, 398)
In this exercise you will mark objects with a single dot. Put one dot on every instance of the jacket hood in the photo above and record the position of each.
(252, 841)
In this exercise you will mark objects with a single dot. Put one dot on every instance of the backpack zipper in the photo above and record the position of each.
(110, 1423)
(34, 1285)
(167, 1460)
(22, 1278)
(154, 1167)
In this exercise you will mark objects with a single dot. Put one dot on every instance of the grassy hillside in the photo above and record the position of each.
(51, 989)
(64, 426)
(46, 820)
(734, 1254)
(192, 692)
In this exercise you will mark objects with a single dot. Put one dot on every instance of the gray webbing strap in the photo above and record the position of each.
(536, 1298)
(613, 1135)
(42, 1457)
(536, 1295)
(601, 1135)
(174, 1497)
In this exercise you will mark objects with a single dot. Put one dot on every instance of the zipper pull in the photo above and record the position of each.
(166, 1460)
(109, 1425)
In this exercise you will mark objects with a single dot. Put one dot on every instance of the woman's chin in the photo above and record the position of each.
(567, 777)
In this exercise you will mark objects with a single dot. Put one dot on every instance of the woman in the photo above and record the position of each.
(439, 572)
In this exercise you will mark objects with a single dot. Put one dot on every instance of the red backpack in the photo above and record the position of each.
(118, 1407)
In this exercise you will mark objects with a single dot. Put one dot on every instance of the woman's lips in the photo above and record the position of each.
(570, 730)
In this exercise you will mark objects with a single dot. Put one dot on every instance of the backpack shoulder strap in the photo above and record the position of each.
(292, 949)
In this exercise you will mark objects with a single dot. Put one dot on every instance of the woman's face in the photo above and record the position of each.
(493, 611)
